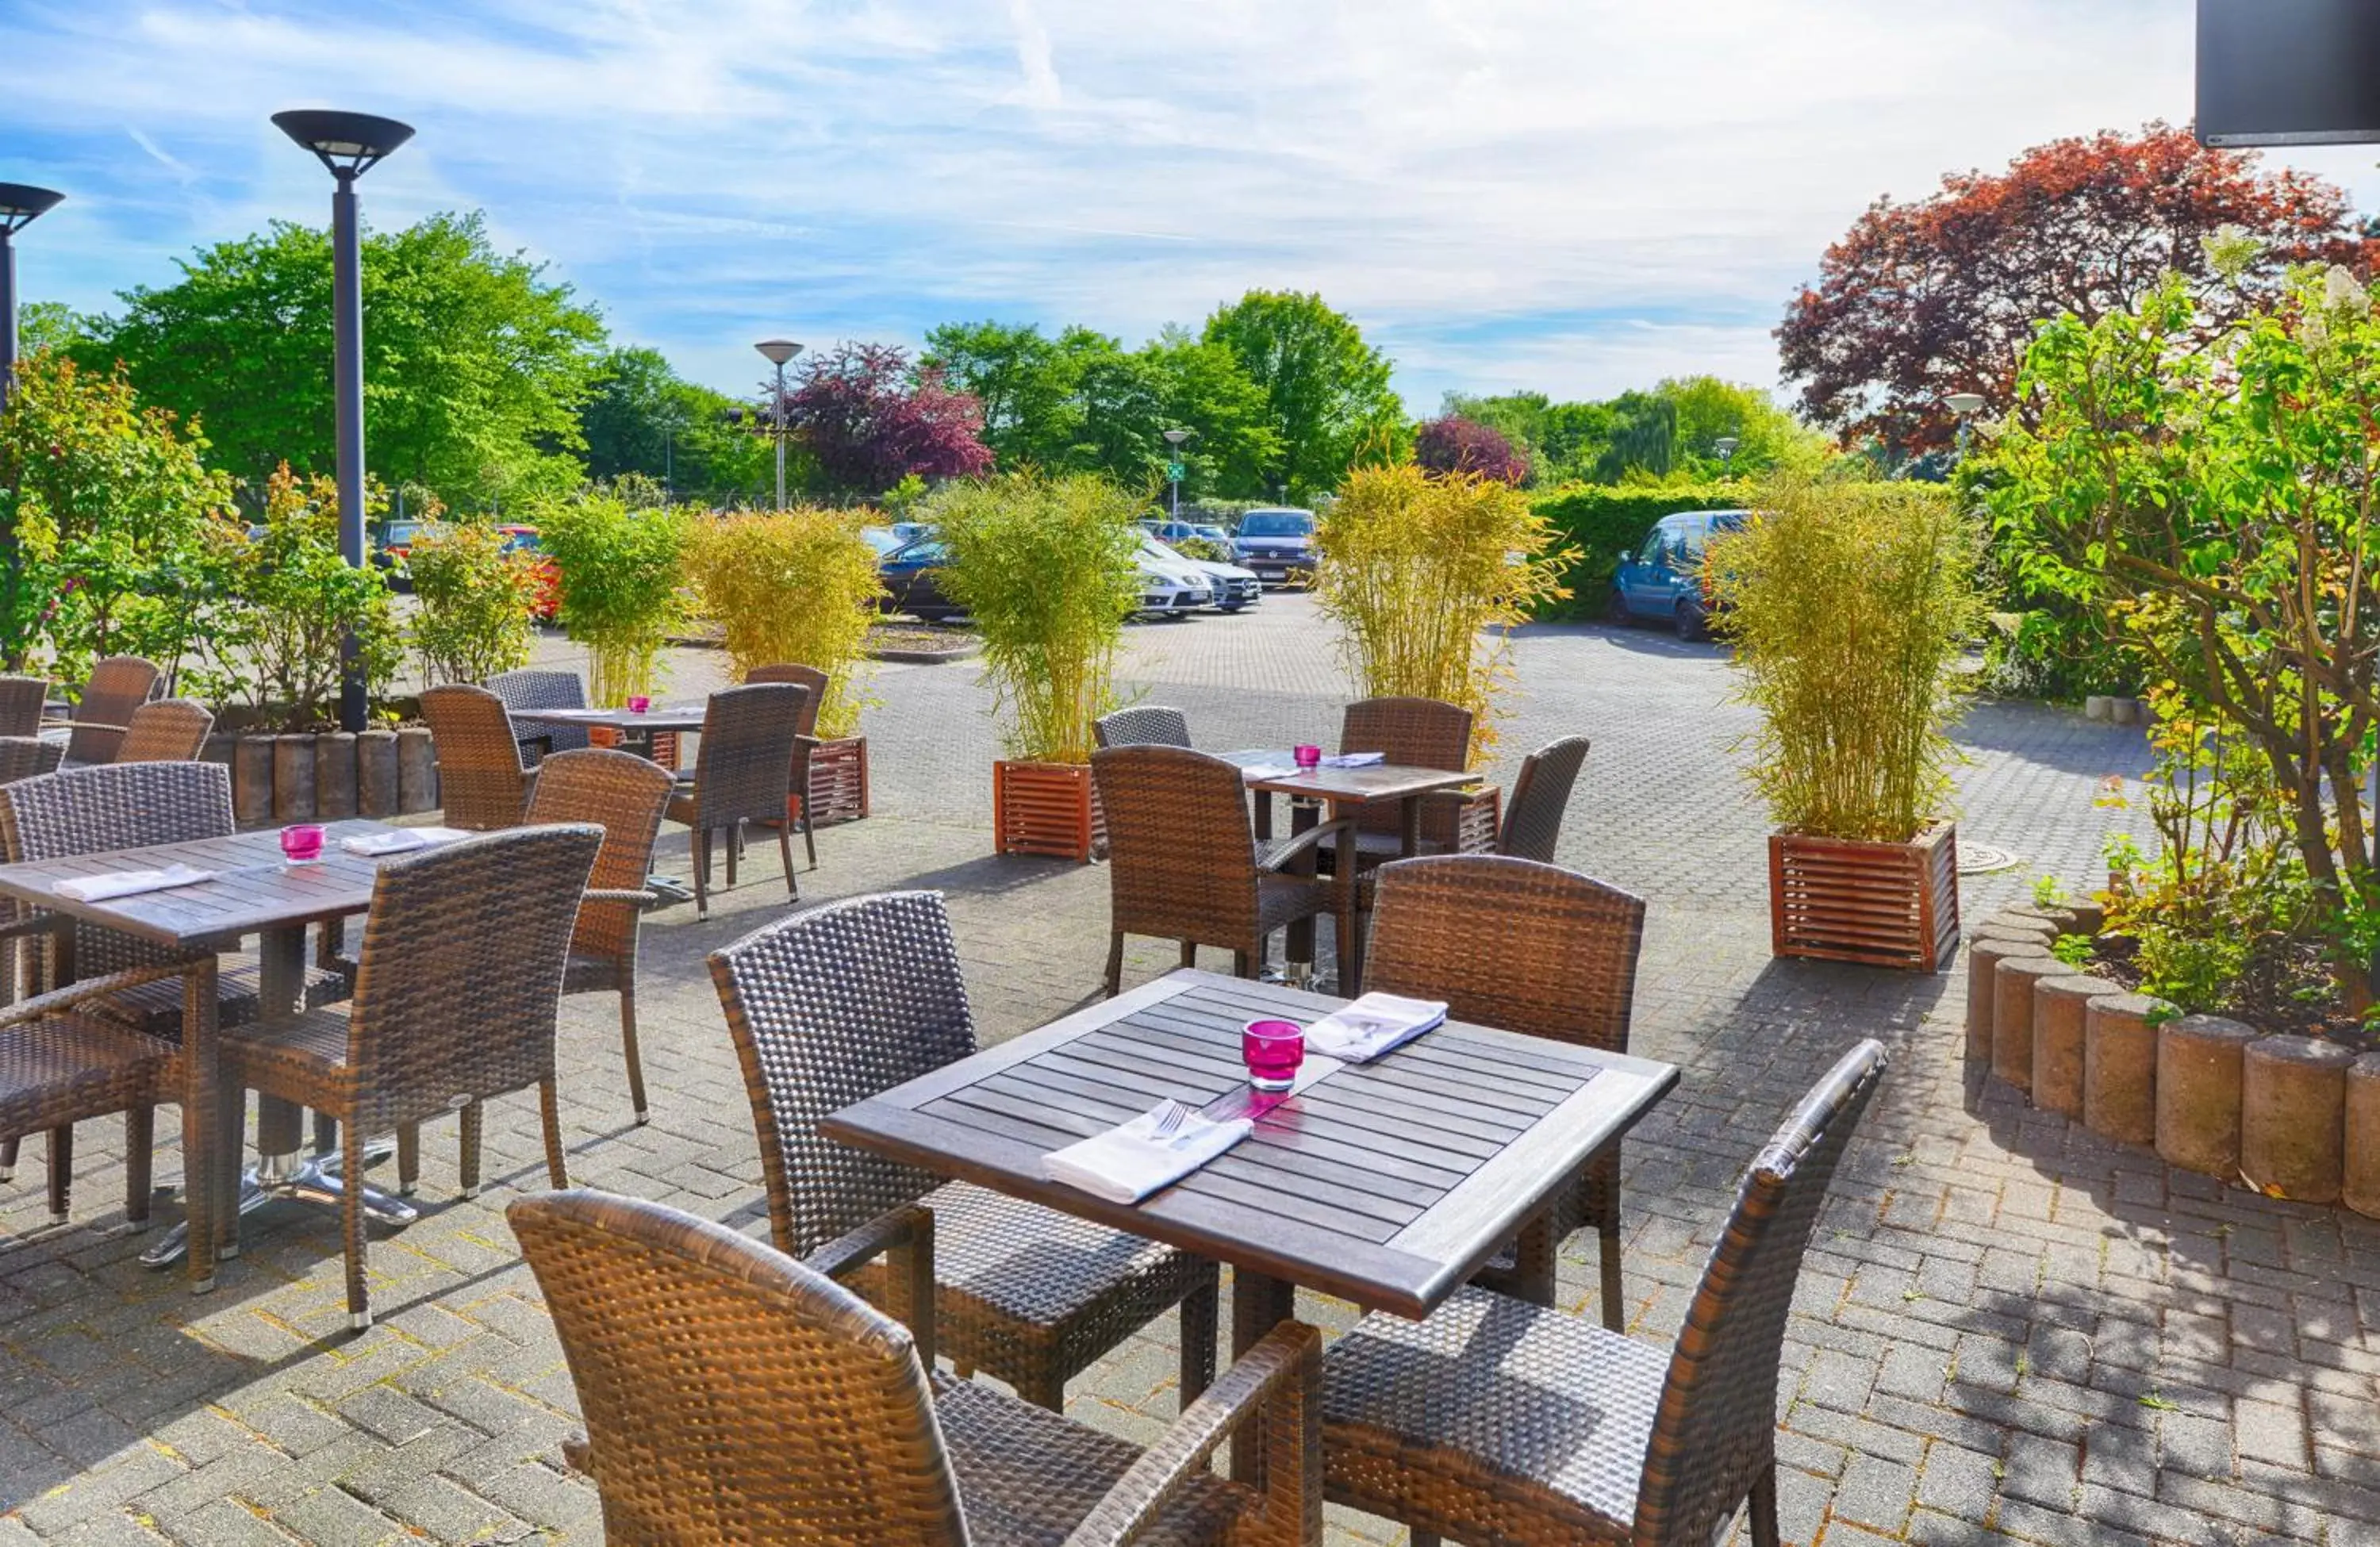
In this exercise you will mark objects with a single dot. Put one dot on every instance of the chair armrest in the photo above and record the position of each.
(1473, 816)
(904, 1238)
(95, 725)
(34, 922)
(608, 894)
(1280, 1379)
(1306, 840)
(72, 994)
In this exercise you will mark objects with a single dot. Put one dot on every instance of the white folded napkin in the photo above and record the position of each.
(1354, 759)
(1124, 1164)
(1260, 771)
(1372, 1025)
(127, 883)
(404, 840)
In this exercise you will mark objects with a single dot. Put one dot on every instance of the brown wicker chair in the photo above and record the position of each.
(21, 756)
(736, 1395)
(24, 700)
(166, 730)
(1497, 1420)
(1533, 819)
(1534, 949)
(482, 783)
(805, 741)
(1143, 726)
(1183, 862)
(524, 691)
(456, 988)
(625, 794)
(843, 1001)
(118, 686)
(1418, 733)
(743, 772)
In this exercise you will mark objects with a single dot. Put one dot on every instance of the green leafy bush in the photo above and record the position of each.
(622, 573)
(1604, 523)
(473, 602)
(798, 589)
(1044, 567)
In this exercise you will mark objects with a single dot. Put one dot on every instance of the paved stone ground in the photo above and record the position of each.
(2006, 1329)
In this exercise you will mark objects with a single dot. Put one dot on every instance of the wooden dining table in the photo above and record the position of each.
(1388, 1184)
(254, 892)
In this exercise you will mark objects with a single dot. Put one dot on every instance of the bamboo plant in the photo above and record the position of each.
(798, 589)
(621, 571)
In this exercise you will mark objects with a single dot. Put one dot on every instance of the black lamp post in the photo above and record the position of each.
(349, 144)
(778, 352)
(19, 206)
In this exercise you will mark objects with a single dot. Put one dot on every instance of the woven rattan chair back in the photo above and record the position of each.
(460, 974)
(1509, 943)
(743, 770)
(1181, 848)
(1143, 726)
(1715, 1430)
(124, 804)
(1418, 733)
(21, 756)
(166, 730)
(22, 699)
(625, 794)
(1533, 818)
(733, 1395)
(523, 690)
(816, 681)
(481, 783)
(829, 1007)
(118, 686)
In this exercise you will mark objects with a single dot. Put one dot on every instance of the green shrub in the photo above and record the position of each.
(1605, 522)
(622, 572)
(1851, 605)
(1044, 567)
(473, 603)
(798, 589)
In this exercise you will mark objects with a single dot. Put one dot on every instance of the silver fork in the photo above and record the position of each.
(1171, 1115)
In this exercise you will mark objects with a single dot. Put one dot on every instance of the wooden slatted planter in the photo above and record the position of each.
(1881, 904)
(839, 780)
(1045, 808)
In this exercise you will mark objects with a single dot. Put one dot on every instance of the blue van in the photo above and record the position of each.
(1662, 580)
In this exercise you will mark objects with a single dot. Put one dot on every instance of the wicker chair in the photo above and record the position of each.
(166, 730)
(523, 691)
(118, 686)
(736, 1395)
(805, 741)
(625, 794)
(456, 990)
(1497, 1420)
(843, 1001)
(1183, 862)
(482, 783)
(743, 772)
(1144, 725)
(23, 701)
(1533, 819)
(1534, 949)
(1418, 733)
(21, 756)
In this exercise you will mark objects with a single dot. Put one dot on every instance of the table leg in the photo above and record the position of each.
(1260, 813)
(1259, 1303)
(203, 1162)
(1305, 814)
(1409, 826)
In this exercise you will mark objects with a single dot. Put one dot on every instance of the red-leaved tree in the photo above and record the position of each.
(1940, 294)
(867, 423)
(1453, 443)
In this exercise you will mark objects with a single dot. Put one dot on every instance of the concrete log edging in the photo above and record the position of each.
(1983, 957)
(314, 776)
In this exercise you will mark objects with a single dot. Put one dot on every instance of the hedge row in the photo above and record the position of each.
(1606, 523)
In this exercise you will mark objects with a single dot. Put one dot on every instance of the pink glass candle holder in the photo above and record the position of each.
(301, 844)
(1273, 1050)
(638, 704)
(1308, 757)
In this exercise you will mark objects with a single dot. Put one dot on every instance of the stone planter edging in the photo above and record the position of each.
(329, 774)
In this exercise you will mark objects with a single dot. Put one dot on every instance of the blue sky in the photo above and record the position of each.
(1572, 195)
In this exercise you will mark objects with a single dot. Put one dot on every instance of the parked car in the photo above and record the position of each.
(1170, 586)
(884, 539)
(1233, 586)
(1277, 542)
(1662, 581)
(390, 545)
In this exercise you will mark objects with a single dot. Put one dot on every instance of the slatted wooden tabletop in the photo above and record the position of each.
(1387, 1184)
(675, 717)
(1379, 781)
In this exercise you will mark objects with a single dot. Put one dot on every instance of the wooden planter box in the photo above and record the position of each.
(838, 789)
(1881, 904)
(1045, 808)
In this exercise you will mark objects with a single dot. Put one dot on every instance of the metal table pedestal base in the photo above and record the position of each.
(315, 1180)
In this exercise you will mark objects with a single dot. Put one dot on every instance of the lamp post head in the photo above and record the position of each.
(1175, 437)
(348, 143)
(1725, 445)
(1964, 404)
(777, 351)
(20, 205)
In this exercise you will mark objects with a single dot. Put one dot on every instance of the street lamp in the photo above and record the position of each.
(1173, 469)
(1725, 445)
(19, 206)
(349, 144)
(1966, 405)
(777, 352)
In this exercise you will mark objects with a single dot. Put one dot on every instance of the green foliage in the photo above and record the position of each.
(622, 570)
(473, 603)
(1419, 570)
(48, 326)
(1850, 603)
(640, 417)
(2046, 893)
(798, 589)
(1671, 432)
(1326, 389)
(1605, 523)
(1044, 565)
(105, 508)
(474, 363)
(2075, 950)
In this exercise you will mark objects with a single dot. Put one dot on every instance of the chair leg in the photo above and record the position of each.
(634, 1059)
(809, 839)
(1043, 1390)
(140, 1156)
(7, 1160)
(702, 873)
(1240, 965)
(61, 1171)
(1351, 964)
(351, 1216)
(786, 852)
(326, 1133)
(1764, 1507)
(735, 847)
(1189, 953)
(1116, 963)
(549, 1109)
(409, 1158)
(1615, 1313)
(471, 1159)
(1199, 1314)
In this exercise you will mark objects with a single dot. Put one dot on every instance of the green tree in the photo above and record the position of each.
(474, 364)
(1029, 384)
(1326, 390)
(1767, 437)
(642, 417)
(49, 325)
